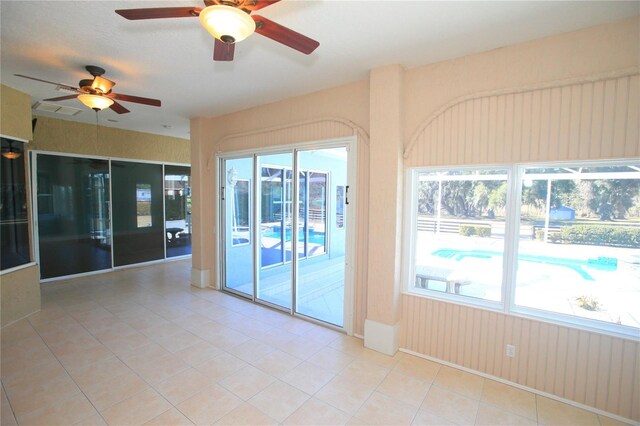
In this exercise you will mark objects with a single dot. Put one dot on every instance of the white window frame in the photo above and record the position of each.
(411, 219)
(511, 245)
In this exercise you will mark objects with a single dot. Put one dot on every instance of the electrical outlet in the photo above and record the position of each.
(511, 351)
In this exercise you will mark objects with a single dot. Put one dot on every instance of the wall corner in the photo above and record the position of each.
(200, 278)
(381, 337)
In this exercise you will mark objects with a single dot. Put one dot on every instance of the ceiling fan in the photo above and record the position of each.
(96, 93)
(229, 21)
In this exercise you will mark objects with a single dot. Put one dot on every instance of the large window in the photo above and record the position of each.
(14, 228)
(459, 231)
(578, 251)
(564, 246)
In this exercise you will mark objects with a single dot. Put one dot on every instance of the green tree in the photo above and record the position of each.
(611, 198)
(480, 197)
(535, 194)
(498, 197)
(469, 198)
(456, 198)
(427, 197)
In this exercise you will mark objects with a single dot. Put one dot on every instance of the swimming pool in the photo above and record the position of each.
(314, 237)
(608, 264)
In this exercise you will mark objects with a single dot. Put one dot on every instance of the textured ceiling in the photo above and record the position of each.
(171, 59)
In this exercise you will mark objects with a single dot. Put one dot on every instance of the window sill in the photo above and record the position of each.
(456, 299)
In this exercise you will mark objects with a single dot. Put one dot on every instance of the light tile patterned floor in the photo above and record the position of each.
(141, 346)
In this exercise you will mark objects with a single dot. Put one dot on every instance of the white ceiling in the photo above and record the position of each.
(171, 59)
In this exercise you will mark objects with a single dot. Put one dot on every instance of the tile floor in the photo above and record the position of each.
(141, 346)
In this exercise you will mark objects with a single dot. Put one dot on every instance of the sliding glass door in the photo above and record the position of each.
(238, 225)
(275, 224)
(94, 214)
(73, 215)
(290, 258)
(138, 222)
(321, 270)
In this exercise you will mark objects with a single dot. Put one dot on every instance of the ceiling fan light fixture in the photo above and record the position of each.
(226, 23)
(102, 84)
(95, 102)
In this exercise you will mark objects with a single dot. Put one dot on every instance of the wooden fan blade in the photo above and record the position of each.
(61, 98)
(223, 51)
(284, 35)
(118, 108)
(136, 99)
(46, 81)
(258, 4)
(159, 12)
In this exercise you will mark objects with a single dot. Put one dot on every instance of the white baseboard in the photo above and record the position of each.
(200, 278)
(381, 337)
(21, 318)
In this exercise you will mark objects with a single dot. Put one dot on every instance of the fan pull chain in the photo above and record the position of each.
(97, 127)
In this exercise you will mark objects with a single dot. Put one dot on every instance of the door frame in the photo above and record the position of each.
(351, 144)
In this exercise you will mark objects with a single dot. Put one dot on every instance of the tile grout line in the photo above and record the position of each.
(475, 420)
(151, 386)
(109, 349)
(65, 368)
(9, 402)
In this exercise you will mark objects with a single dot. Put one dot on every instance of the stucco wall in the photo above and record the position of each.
(59, 135)
(15, 113)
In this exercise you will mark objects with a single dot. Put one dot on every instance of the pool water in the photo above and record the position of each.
(314, 237)
(608, 264)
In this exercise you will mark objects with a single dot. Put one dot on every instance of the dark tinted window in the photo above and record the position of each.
(73, 215)
(14, 227)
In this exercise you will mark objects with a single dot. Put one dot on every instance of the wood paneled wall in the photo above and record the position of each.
(594, 119)
(590, 368)
(580, 121)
